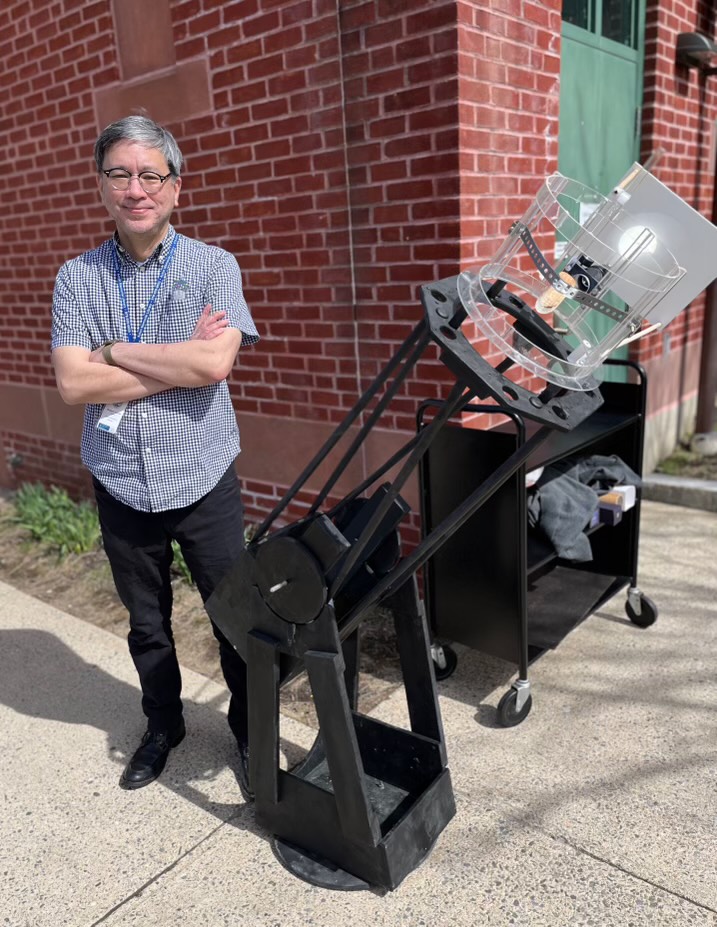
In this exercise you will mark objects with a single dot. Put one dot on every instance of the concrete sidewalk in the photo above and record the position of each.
(600, 809)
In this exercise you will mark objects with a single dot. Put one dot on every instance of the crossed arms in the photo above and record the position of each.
(145, 369)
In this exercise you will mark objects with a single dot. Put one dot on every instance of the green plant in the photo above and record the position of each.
(55, 520)
(179, 564)
(680, 458)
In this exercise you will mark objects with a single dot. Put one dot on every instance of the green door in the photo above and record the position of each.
(601, 67)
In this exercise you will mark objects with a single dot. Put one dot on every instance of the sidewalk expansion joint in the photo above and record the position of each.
(163, 872)
(628, 872)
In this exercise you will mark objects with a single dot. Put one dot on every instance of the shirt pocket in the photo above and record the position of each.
(179, 313)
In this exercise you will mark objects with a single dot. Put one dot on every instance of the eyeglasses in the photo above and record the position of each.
(149, 181)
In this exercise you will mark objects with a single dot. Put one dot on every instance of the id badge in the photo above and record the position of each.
(111, 417)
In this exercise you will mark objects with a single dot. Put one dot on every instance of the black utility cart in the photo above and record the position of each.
(498, 586)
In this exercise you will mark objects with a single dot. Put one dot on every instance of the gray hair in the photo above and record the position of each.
(144, 131)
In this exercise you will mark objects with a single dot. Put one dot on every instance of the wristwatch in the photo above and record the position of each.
(107, 352)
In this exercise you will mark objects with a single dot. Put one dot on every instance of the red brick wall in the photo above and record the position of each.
(345, 153)
(509, 63)
(330, 164)
(679, 113)
(401, 93)
(509, 67)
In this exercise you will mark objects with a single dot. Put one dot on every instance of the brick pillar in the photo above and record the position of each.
(678, 128)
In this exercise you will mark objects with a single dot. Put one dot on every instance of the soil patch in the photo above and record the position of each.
(82, 586)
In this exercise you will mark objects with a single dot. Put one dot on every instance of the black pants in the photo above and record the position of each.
(210, 533)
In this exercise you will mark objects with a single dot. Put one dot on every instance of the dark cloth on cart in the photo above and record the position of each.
(566, 496)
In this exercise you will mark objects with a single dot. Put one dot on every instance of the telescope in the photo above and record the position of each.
(577, 277)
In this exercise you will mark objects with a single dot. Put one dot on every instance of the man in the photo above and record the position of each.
(145, 330)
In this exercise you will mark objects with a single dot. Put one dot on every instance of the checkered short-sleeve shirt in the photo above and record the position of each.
(171, 448)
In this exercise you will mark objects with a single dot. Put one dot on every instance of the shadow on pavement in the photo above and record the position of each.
(41, 677)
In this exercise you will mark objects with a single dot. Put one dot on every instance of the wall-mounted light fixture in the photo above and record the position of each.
(695, 50)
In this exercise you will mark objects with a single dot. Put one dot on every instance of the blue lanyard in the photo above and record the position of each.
(152, 299)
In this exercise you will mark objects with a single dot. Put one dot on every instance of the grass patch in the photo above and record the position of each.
(56, 521)
(680, 459)
(66, 527)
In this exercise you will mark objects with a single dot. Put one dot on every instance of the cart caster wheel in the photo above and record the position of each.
(508, 715)
(647, 614)
(445, 661)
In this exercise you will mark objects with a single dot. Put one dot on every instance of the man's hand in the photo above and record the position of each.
(210, 324)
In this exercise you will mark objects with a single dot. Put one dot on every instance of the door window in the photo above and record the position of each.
(619, 21)
(612, 19)
(578, 13)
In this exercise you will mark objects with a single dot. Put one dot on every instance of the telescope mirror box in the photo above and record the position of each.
(623, 266)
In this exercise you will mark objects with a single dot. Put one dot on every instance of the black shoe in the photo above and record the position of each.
(242, 774)
(151, 757)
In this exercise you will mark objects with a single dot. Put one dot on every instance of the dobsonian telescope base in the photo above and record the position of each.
(366, 805)
(322, 873)
(387, 800)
